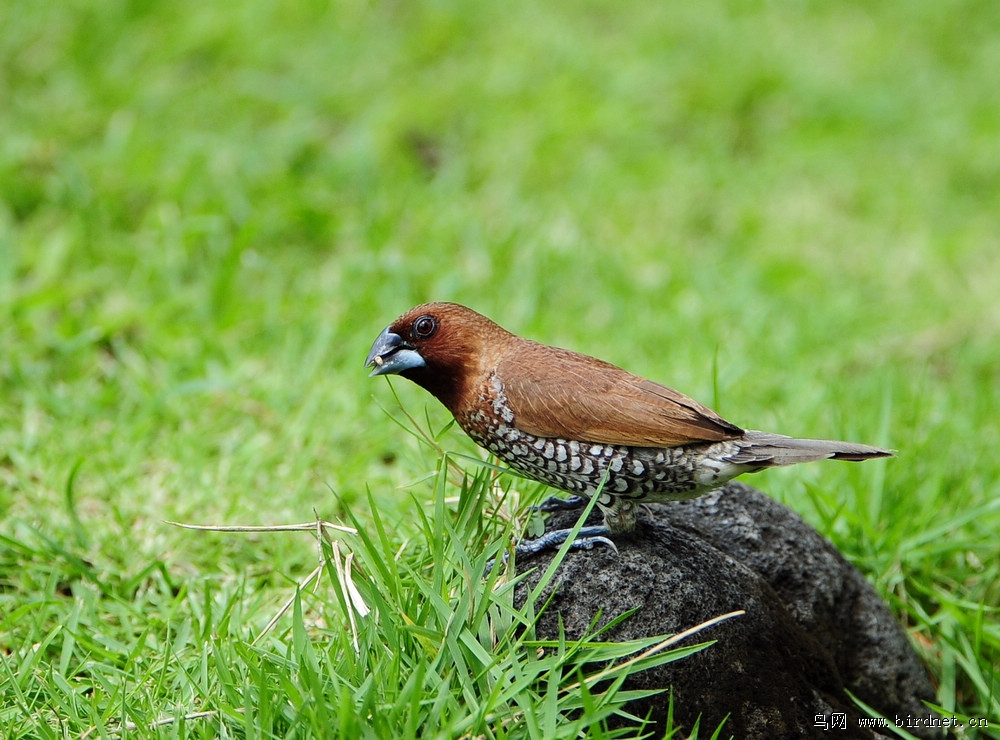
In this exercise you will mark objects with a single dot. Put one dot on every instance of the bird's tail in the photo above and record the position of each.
(767, 450)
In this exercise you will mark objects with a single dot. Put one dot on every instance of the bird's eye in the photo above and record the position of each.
(424, 327)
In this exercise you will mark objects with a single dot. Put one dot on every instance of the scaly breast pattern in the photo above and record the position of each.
(576, 466)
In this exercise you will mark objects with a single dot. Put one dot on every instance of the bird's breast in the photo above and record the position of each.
(583, 467)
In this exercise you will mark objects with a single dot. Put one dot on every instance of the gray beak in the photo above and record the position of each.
(390, 355)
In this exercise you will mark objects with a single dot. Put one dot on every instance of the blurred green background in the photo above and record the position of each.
(208, 211)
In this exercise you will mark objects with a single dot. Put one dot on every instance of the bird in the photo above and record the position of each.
(580, 424)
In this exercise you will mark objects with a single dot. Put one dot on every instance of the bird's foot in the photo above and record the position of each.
(585, 539)
(554, 503)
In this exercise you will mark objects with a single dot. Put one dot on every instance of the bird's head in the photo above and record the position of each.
(443, 347)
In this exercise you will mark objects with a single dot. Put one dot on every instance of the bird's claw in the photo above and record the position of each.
(491, 562)
(554, 503)
(585, 539)
(587, 543)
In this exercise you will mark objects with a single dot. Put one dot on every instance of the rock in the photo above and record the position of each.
(813, 625)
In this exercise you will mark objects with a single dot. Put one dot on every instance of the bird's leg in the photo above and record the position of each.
(554, 503)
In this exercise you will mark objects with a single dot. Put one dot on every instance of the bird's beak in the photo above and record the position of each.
(390, 355)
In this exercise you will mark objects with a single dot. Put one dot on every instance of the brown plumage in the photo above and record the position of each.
(578, 423)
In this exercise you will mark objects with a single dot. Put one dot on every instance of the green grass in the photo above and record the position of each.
(207, 213)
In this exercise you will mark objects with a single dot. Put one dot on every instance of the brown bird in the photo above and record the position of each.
(577, 423)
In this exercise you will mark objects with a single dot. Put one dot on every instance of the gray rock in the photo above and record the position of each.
(813, 625)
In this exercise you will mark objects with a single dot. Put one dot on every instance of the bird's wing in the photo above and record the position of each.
(558, 393)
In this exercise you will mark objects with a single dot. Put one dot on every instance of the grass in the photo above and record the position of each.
(208, 213)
